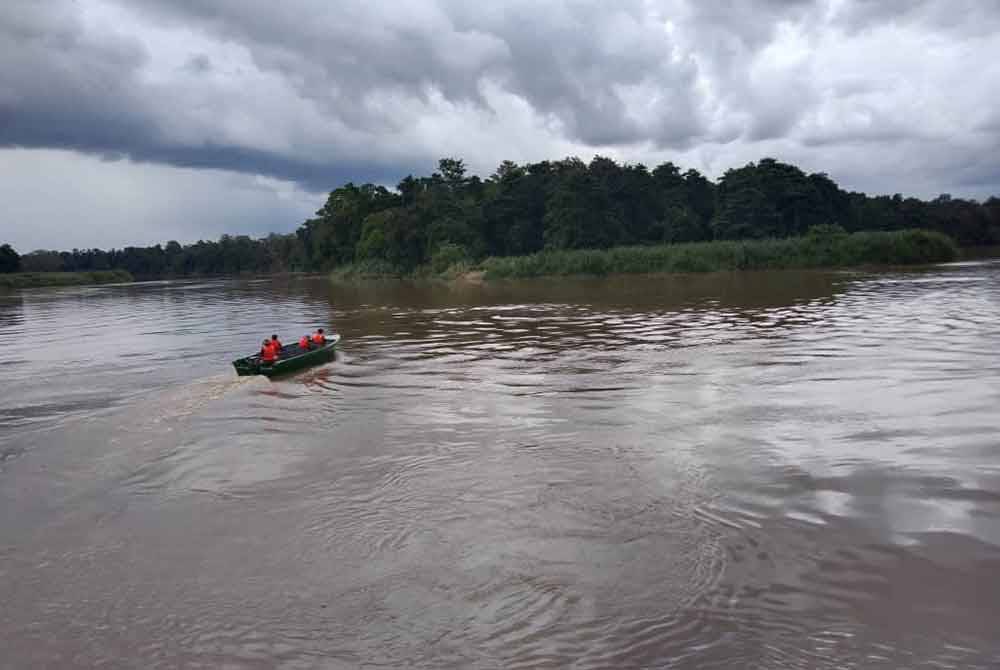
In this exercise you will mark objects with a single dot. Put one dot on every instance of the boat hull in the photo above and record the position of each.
(292, 358)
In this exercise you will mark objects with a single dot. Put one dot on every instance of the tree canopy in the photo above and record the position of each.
(520, 209)
(10, 260)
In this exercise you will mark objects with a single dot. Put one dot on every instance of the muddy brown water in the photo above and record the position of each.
(762, 470)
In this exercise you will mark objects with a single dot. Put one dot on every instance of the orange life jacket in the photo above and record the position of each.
(319, 339)
(277, 345)
(304, 342)
(268, 354)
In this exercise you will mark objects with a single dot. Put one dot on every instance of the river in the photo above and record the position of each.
(758, 470)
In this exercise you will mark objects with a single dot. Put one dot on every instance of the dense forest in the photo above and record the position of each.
(450, 216)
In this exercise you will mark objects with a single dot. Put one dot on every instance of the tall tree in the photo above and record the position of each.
(580, 213)
(10, 260)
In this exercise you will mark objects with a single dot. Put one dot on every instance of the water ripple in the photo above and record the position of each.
(767, 470)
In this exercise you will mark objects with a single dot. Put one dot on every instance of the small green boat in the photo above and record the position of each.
(292, 358)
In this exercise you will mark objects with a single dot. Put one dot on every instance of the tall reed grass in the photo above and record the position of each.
(826, 246)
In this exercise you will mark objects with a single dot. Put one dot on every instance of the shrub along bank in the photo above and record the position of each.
(824, 246)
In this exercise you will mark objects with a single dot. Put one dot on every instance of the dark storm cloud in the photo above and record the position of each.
(576, 64)
(61, 87)
(320, 92)
(568, 60)
(574, 61)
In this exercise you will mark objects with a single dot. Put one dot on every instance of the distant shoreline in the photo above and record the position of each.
(836, 251)
(43, 279)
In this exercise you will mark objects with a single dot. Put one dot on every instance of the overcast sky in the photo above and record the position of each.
(140, 121)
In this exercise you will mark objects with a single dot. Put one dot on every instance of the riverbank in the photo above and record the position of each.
(827, 248)
(823, 247)
(40, 279)
(375, 269)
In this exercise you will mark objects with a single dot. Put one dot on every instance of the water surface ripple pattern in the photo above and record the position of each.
(766, 470)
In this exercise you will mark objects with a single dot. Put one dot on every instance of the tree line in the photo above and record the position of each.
(567, 204)
(238, 254)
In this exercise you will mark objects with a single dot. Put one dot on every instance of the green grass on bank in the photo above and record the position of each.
(36, 279)
(823, 247)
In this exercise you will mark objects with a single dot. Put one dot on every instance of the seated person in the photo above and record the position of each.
(319, 337)
(305, 343)
(268, 355)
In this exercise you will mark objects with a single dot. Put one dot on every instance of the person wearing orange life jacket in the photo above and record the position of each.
(305, 343)
(276, 344)
(318, 337)
(267, 353)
